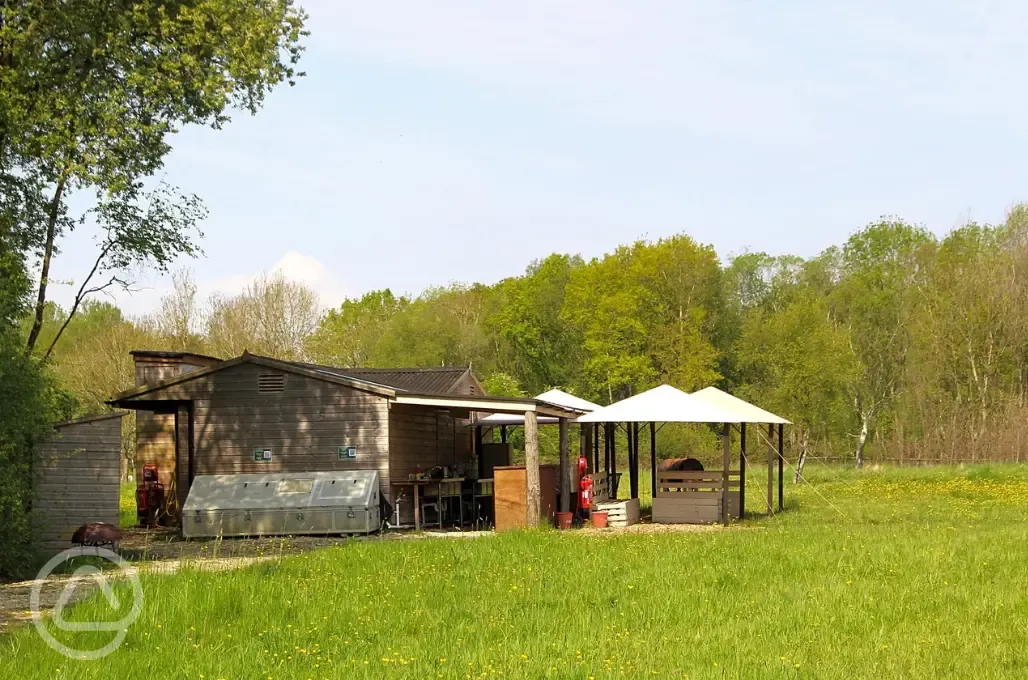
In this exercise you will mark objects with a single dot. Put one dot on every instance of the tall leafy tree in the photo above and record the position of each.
(29, 401)
(349, 336)
(882, 268)
(90, 93)
(545, 347)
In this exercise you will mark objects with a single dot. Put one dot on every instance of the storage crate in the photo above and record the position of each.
(620, 513)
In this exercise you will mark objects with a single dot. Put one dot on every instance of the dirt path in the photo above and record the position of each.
(14, 597)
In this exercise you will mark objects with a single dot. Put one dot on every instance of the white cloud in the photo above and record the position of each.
(293, 266)
(149, 287)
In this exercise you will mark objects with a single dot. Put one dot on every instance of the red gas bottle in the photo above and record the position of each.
(585, 485)
(149, 497)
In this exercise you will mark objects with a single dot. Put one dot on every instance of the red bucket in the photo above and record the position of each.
(600, 520)
(564, 520)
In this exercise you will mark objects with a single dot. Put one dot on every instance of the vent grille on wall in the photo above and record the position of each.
(271, 382)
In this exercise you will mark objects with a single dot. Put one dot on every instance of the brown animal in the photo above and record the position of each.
(681, 465)
(97, 534)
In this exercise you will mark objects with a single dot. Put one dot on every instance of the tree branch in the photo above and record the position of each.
(82, 294)
(44, 274)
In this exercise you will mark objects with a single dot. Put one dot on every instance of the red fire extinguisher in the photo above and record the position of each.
(585, 485)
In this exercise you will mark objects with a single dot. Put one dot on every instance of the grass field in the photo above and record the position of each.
(913, 573)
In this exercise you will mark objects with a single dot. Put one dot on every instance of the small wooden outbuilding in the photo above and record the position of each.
(75, 479)
(254, 414)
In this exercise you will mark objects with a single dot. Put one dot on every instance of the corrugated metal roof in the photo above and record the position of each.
(440, 380)
(418, 380)
(558, 397)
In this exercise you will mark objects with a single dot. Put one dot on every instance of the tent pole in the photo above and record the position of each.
(770, 469)
(781, 466)
(653, 460)
(635, 461)
(726, 462)
(630, 428)
(613, 458)
(606, 451)
(478, 450)
(742, 470)
(565, 467)
(596, 447)
(503, 434)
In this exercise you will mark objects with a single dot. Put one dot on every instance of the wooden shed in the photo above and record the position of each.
(254, 414)
(76, 479)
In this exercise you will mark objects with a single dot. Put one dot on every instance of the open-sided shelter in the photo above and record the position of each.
(691, 496)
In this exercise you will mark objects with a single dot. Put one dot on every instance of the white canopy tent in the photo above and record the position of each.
(666, 404)
(744, 411)
(663, 404)
(556, 397)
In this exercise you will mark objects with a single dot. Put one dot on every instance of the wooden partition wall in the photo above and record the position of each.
(689, 497)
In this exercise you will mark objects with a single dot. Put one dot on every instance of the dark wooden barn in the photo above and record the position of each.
(198, 415)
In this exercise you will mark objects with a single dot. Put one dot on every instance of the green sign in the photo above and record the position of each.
(262, 455)
(347, 452)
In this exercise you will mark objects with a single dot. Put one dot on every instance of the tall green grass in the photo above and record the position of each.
(914, 573)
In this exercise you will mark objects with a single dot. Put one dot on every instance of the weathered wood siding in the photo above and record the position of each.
(76, 480)
(422, 437)
(155, 432)
(304, 424)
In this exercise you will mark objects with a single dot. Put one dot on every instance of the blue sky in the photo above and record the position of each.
(458, 141)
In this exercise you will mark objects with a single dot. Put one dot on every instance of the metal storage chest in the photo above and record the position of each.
(283, 503)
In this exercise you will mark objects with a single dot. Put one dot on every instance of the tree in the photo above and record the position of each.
(647, 313)
(800, 363)
(29, 402)
(349, 336)
(90, 93)
(179, 320)
(545, 347)
(272, 316)
(882, 268)
(443, 326)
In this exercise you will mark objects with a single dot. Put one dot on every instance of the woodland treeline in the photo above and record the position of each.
(896, 345)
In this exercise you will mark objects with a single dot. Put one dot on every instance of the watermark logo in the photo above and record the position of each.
(86, 576)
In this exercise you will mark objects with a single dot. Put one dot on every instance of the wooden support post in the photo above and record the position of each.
(726, 463)
(533, 493)
(653, 460)
(613, 458)
(596, 447)
(633, 460)
(565, 467)
(478, 450)
(770, 469)
(742, 469)
(606, 452)
(781, 466)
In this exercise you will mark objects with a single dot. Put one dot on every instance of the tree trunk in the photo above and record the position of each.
(865, 417)
(804, 442)
(44, 273)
